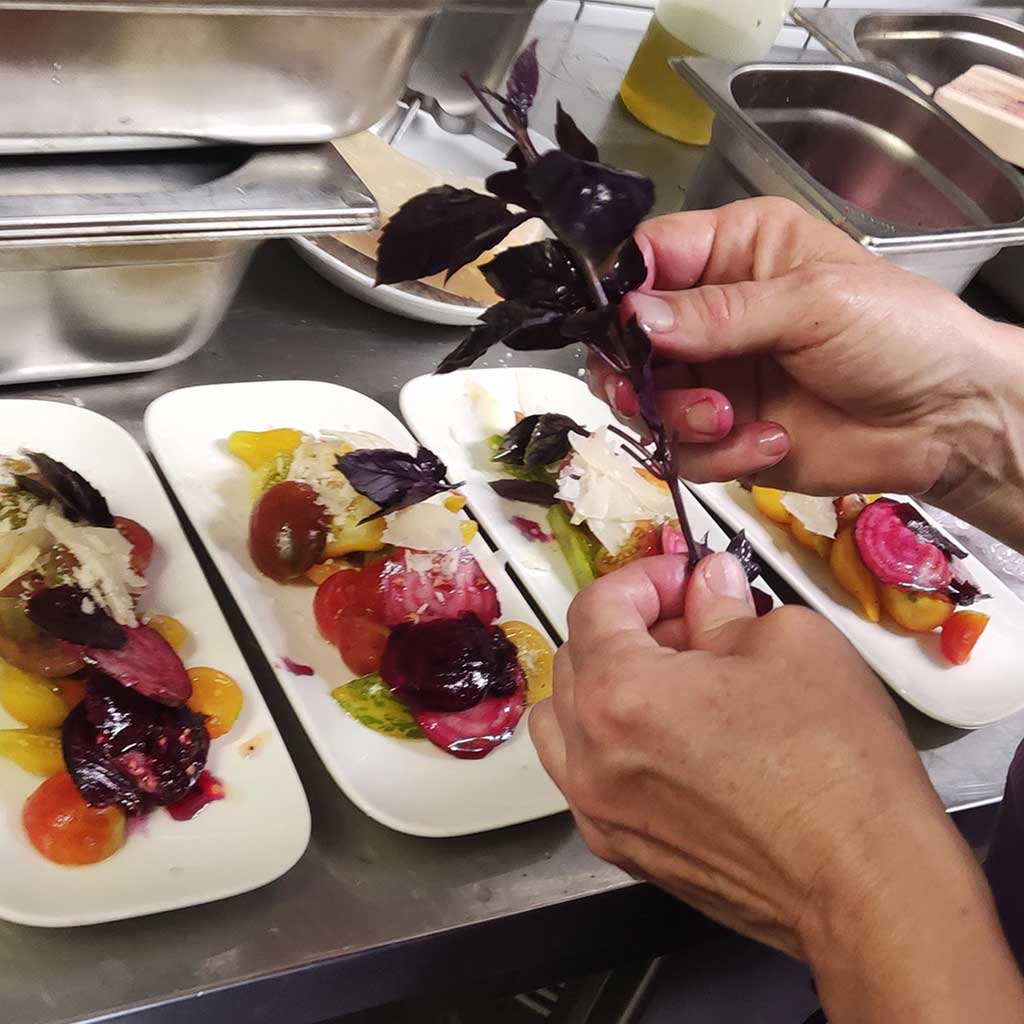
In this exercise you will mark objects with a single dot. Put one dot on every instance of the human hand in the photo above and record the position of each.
(785, 350)
(756, 769)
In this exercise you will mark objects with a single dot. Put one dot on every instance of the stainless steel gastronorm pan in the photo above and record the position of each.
(102, 75)
(936, 47)
(861, 147)
(115, 264)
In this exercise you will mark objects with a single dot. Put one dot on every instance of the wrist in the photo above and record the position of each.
(982, 480)
(907, 931)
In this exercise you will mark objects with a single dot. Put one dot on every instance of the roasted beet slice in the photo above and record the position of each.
(894, 553)
(449, 664)
(123, 748)
(460, 679)
(146, 663)
(424, 588)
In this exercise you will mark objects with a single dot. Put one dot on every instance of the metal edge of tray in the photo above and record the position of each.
(283, 190)
(712, 80)
(319, 8)
(836, 29)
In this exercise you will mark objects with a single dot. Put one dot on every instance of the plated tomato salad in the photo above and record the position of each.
(378, 532)
(889, 559)
(110, 717)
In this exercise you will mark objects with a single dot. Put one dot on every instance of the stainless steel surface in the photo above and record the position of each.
(79, 76)
(369, 916)
(477, 37)
(119, 263)
(937, 47)
(860, 147)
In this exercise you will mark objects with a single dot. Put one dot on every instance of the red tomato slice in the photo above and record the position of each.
(65, 829)
(140, 539)
(349, 588)
(287, 531)
(960, 633)
(361, 640)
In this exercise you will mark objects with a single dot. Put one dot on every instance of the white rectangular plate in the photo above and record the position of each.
(247, 840)
(408, 785)
(455, 427)
(989, 687)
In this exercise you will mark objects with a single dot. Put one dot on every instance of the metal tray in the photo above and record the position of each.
(117, 265)
(80, 75)
(861, 147)
(936, 47)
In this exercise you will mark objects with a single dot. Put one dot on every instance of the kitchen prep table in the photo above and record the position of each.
(369, 916)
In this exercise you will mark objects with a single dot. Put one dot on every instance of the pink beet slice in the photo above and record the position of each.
(894, 554)
(147, 664)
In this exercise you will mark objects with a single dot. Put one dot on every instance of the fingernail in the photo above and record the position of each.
(724, 577)
(773, 442)
(653, 314)
(702, 418)
(622, 398)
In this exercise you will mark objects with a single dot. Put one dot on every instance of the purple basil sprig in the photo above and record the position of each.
(557, 292)
(392, 479)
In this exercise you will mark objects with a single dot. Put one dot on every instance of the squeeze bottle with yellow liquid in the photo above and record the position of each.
(733, 30)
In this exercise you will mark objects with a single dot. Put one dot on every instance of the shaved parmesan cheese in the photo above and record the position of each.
(23, 560)
(314, 463)
(424, 528)
(818, 515)
(104, 568)
(486, 411)
(605, 491)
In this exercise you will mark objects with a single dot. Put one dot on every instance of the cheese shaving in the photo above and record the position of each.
(818, 515)
(424, 528)
(606, 493)
(314, 463)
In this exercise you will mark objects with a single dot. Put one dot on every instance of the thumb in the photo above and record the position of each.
(718, 604)
(723, 321)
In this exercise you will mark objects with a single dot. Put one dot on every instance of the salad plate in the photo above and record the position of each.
(987, 688)
(258, 830)
(455, 414)
(408, 785)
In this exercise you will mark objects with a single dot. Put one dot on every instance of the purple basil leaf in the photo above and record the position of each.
(444, 228)
(763, 602)
(53, 481)
(592, 207)
(571, 139)
(61, 612)
(523, 82)
(541, 275)
(516, 325)
(534, 492)
(392, 479)
(965, 592)
(923, 530)
(538, 440)
(628, 272)
(511, 187)
(740, 547)
(638, 355)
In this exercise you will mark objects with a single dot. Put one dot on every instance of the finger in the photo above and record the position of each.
(549, 742)
(563, 695)
(750, 448)
(671, 633)
(754, 239)
(628, 601)
(718, 604)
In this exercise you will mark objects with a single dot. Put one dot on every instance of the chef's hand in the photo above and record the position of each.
(785, 350)
(756, 769)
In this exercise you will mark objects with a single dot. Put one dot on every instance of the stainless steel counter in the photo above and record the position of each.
(369, 916)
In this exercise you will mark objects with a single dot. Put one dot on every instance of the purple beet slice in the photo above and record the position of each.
(460, 679)
(123, 748)
(146, 663)
(896, 555)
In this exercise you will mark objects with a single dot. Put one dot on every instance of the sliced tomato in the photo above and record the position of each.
(65, 829)
(140, 539)
(349, 588)
(29, 648)
(644, 542)
(287, 531)
(960, 633)
(361, 640)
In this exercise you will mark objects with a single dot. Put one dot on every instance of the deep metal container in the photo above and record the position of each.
(79, 75)
(936, 47)
(862, 148)
(116, 264)
(478, 37)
